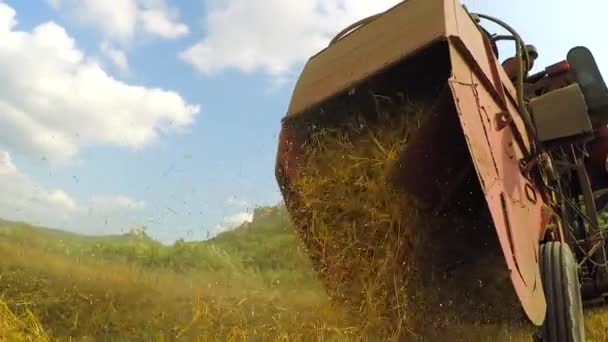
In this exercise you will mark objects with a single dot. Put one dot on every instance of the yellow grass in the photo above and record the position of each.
(14, 328)
(48, 297)
(403, 271)
(596, 324)
(357, 233)
(88, 300)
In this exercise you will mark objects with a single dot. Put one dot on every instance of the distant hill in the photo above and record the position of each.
(267, 241)
(266, 245)
(58, 240)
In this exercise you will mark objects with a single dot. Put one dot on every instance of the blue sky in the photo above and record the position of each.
(225, 69)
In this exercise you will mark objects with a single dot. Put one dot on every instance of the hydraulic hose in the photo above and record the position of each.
(354, 27)
(521, 54)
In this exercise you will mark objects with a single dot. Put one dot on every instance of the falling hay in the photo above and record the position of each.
(357, 221)
(15, 328)
(403, 271)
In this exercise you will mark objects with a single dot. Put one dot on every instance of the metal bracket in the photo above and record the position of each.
(502, 120)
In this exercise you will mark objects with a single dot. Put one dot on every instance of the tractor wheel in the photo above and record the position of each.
(564, 321)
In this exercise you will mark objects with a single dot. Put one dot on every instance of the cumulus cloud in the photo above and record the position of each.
(272, 35)
(54, 100)
(119, 202)
(232, 222)
(157, 22)
(121, 20)
(117, 56)
(24, 199)
(235, 201)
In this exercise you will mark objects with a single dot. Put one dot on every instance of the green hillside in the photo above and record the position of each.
(131, 287)
(253, 283)
(62, 241)
(266, 245)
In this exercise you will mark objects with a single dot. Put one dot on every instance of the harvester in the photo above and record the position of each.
(534, 143)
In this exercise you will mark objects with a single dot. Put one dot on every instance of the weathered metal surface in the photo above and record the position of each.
(399, 32)
(597, 163)
(561, 114)
(484, 99)
(514, 202)
(588, 75)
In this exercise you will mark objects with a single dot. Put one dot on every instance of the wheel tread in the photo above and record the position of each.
(563, 322)
(551, 330)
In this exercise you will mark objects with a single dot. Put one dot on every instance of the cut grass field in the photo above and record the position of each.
(87, 297)
(97, 300)
(57, 286)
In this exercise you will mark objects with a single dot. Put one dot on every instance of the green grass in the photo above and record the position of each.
(245, 284)
(254, 284)
(266, 246)
(95, 299)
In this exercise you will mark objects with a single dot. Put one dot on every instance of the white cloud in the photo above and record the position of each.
(121, 20)
(54, 3)
(6, 163)
(234, 201)
(232, 222)
(24, 199)
(54, 100)
(117, 56)
(119, 202)
(272, 35)
(157, 22)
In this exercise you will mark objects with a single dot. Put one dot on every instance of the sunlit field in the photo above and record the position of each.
(252, 284)
(131, 288)
(298, 170)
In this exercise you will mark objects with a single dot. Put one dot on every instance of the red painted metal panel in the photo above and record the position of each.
(514, 202)
(482, 95)
(398, 33)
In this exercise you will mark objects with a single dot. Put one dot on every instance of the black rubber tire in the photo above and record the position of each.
(564, 321)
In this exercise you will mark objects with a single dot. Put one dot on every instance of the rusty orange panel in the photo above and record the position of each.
(460, 27)
(480, 89)
(515, 203)
(398, 33)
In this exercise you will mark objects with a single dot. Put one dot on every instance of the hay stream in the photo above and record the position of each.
(404, 273)
(15, 328)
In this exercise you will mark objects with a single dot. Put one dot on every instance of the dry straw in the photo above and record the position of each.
(14, 328)
(376, 249)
